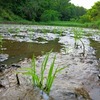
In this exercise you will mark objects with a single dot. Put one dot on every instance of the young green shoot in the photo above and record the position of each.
(78, 35)
(40, 81)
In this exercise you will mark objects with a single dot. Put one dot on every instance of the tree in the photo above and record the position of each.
(95, 11)
(34, 9)
(92, 14)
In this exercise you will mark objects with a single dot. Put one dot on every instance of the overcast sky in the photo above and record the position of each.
(84, 3)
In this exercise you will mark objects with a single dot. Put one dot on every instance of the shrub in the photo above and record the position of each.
(85, 18)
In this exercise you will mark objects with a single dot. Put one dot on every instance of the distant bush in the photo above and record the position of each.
(95, 24)
(50, 15)
(85, 18)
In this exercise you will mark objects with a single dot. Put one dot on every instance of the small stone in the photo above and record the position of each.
(15, 65)
(91, 62)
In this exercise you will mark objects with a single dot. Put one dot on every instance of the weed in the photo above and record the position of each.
(40, 81)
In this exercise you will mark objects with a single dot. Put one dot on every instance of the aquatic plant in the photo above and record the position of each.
(78, 35)
(41, 81)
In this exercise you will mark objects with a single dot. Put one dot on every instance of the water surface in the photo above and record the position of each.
(17, 51)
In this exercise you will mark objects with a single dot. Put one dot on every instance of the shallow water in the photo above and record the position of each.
(82, 70)
(96, 47)
(17, 51)
(17, 47)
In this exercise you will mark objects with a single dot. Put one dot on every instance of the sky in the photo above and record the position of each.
(84, 3)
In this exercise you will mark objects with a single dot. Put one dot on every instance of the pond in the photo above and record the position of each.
(81, 53)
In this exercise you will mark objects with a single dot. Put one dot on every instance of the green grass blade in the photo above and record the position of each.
(33, 64)
(50, 74)
(43, 67)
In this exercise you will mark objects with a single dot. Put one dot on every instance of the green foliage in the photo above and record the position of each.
(50, 15)
(40, 10)
(40, 81)
(92, 14)
(63, 23)
(5, 14)
(95, 11)
(85, 18)
(95, 24)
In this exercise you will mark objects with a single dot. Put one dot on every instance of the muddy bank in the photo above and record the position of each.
(10, 89)
(78, 81)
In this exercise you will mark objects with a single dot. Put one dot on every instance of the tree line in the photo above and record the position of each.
(40, 10)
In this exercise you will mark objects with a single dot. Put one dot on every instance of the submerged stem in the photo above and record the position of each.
(83, 47)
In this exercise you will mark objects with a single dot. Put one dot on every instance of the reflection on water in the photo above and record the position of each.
(96, 47)
(19, 50)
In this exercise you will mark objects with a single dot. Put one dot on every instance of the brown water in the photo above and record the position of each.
(17, 51)
(96, 47)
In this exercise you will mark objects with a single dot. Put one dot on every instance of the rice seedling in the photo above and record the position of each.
(30, 30)
(56, 31)
(14, 30)
(41, 81)
(78, 35)
(43, 30)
